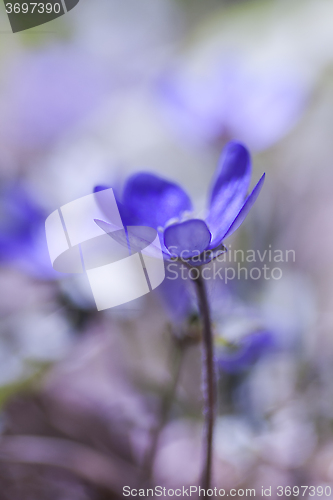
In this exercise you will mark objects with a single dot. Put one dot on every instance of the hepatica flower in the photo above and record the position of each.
(228, 100)
(239, 357)
(22, 232)
(149, 200)
(47, 93)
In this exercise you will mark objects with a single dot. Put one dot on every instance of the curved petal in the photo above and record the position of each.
(229, 188)
(135, 241)
(152, 201)
(246, 207)
(107, 208)
(187, 239)
(100, 187)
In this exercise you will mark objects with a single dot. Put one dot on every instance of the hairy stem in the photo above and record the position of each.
(209, 381)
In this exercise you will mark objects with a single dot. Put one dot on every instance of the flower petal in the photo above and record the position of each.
(152, 201)
(107, 208)
(250, 349)
(100, 187)
(135, 238)
(246, 207)
(187, 239)
(229, 188)
(176, 293)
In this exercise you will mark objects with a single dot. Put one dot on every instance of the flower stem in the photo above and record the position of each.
(209, 381)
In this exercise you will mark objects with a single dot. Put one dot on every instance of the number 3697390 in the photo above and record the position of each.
(30, 8)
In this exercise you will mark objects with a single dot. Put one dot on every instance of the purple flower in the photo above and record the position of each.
(22, 232)
(48, 92)
(230, 102)
(250, 349)
(152, 201)
(149, 200)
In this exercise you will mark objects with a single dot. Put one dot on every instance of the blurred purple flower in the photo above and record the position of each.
(231, 102)
(47, 92)
(246, 352)
(22, 232)
(149, 200)
(152, 201)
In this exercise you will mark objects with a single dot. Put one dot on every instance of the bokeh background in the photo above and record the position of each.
(93, 401)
